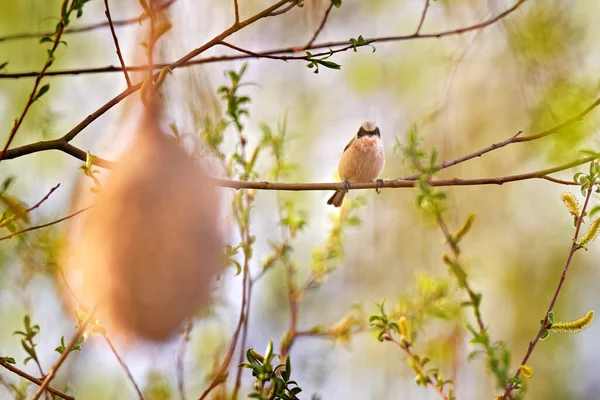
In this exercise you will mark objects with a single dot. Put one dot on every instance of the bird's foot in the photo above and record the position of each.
(346, 185)
(379, 186)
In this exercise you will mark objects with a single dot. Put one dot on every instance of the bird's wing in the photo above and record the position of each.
(348, 145)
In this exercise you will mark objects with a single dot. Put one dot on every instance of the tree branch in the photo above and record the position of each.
(321, 26)
(423, 15)
(123, 365)
(87, 28)
(544, 325)
(33, 379)
(39, 203)
(63, 356)
(279, 54)
(114, 35)
(33, 228)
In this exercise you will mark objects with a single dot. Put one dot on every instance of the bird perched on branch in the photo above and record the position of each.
(362, 161)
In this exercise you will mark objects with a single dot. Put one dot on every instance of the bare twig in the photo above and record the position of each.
(283, 10)
(114, 35)
(423, 15)
(544, 325)
(36, 205)
(321, 26)
(35, 380)
(123, 365)
(180, 370)
(63, 356)
(280, 54)
(33, 228)
(237, 11)
(34, 92)
(87, 28)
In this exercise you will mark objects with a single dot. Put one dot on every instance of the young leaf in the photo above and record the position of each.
(42, 91)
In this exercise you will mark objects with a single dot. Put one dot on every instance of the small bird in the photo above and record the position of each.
(362, 161)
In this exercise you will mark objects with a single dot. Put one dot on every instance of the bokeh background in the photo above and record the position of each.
(528, 72)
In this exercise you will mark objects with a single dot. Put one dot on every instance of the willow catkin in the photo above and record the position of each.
(145, 256)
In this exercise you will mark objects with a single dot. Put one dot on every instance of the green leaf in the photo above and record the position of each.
(337, 3)
(43, 90)
(46, 39)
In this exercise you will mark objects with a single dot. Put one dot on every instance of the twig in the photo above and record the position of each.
(340, 45)
(34, 92)
(114, 35)
(283, 10)
(416, 363)
(237, 11)
(544, 325)
(35, 380)
(219, 377)
(63, 356)
(321, 26)
(33, 228)
(123, 365)
(87, 28)
(30, 209)
(180, 371)
(423, 15)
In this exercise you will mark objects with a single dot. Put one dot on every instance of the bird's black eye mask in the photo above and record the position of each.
(362, 132)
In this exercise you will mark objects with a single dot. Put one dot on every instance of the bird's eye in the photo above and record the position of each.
(361, 133)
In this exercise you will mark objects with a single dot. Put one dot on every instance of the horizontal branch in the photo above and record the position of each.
(86, 28)
(279, 54)
(33, 379)
(401, 183)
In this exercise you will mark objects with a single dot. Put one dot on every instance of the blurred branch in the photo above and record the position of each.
(63, 356)
(33, 228)
(86, 28)
(114, 35)
(62, 143)
(279, 54)
(321, 26)
(9, 220)
(415, 362)
(123, 365)
(423, 15)
(545, 321)
(33, 379)
(180, 371)
(283, 10)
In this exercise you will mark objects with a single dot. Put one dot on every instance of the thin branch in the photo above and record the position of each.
(321, 26)
(544, 325)
(36, 205)
(237, 11)
(423, 15)
(283, 10)
(337, 47)
(35, 380)
(34, 92)
(114, 35)
(180, 371)
(417, 364)
(123, 365)
(33, 228)
(399, 183)
(87, 28)
(63, 356)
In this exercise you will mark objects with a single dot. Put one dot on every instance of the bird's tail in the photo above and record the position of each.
(337, 199)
